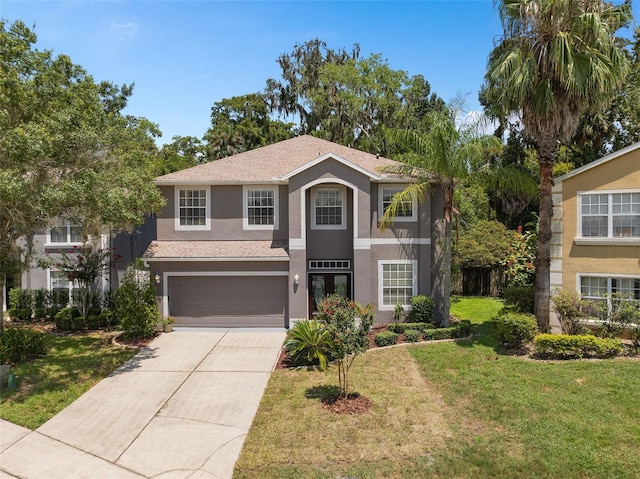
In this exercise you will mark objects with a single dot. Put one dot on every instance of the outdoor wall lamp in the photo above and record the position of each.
(157, 278)
(296, 279)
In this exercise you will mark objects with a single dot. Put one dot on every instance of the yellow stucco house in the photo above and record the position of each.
(595, 248)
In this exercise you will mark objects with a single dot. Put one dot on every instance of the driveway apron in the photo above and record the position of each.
(181, 408)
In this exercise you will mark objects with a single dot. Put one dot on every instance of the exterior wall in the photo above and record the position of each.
(570, 256)
(226, 217)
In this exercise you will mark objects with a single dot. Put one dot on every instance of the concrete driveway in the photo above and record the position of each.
(181, 408)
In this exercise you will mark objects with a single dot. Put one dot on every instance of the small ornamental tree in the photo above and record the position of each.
(520, 262)
(135, 304)
(84, 265)
(348, 324)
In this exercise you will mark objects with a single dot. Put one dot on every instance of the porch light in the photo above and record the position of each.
(157, 278)
(296, 279)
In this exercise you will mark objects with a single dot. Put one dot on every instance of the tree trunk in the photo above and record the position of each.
(546, 152)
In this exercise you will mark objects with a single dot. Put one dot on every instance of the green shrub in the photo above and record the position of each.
(422, 308)
(21, 301)
(18, 345)
(59, 299)
(565, 346)
(571, 310)
(402, 327)
(135, 305)
(69, 319)
(521, 298)
(107, 320)
(515, 329)
(412, 335)
(385, 338)
(41, 300)
(464, 328)
(309, 343)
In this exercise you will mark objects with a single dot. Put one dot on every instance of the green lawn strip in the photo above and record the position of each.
(541, 419)
(47, 385)
(292, 436)
(475, 309)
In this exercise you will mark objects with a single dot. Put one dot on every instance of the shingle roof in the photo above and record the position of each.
(174, 250)
(268, 163)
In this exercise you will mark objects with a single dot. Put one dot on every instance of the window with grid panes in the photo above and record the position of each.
(193, 207)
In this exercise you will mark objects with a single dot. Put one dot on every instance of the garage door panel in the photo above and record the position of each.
(228, 301)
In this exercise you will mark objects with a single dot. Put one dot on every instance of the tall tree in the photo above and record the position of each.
(444, 155)
(242, 123)
(183, 152)
(65, 148)
(555, 59)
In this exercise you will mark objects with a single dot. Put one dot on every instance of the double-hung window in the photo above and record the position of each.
(61, 286)
(260, 208)
(193, 208)
(599, 287)
(65, 233)
(406, 209)
(610, 215)
(397, 283)
(329, 208)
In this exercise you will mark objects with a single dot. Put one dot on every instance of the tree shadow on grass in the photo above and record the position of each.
(324, 393)
(482, 335)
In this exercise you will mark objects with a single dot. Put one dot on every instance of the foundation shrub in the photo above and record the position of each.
(21, 301)
(402, 327)
(422, 308)
(522, 298)
(135, 304)
(69, 319)
(309, 343)
(385, 338)
(515, 329)
(565, 346)
(412, 335)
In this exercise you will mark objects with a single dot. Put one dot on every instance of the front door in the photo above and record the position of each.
(325, 284)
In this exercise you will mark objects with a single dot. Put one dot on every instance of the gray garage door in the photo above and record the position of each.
(228, 301)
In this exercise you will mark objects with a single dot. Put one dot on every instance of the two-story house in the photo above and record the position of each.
(595, 248)
(258, 238)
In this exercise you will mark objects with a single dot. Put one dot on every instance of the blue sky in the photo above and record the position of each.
(185, 55)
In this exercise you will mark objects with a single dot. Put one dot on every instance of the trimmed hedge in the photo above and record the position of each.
(385, 338)
(412, 335)
(422, 308)
(515, 329)
(564, 346)
(400, 328)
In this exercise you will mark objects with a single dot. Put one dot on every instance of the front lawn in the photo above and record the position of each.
(453, 410)
(47, 385)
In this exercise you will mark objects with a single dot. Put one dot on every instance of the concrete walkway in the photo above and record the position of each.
(179, 409)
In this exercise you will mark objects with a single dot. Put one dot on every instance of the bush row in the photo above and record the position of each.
(564, 346)
(389, 337)
(19, 345)
(69, 319)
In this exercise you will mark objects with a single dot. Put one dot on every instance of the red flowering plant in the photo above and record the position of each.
(520, 262)
(348, 324)
(83, 265)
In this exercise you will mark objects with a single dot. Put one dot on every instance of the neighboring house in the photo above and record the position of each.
(64, 236)
(258, 238)
(595, 248)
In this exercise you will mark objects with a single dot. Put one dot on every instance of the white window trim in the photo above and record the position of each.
(71, 283)
(245, 208)
(176, 201)
(343, 193)
(608, 276)
(67, 225)
(414, 286)
(397, 219)
(609, 239)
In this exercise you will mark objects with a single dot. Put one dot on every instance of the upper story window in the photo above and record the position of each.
(260, 208)
(407, 209)
(65, 233)
(610, 215)
(329, 208)
(193, 208)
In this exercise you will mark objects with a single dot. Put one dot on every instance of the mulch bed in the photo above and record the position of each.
(352, 404)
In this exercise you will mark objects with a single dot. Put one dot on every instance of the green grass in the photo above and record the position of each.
(47, 385)
(489, 416)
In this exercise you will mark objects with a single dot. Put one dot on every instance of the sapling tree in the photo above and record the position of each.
(348, 323)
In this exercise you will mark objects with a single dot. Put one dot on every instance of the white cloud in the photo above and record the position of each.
(124, 31)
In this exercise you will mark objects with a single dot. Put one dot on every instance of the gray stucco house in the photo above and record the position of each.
(256, 239)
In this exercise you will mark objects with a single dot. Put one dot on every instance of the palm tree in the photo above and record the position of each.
(445, 155)
(555, 60)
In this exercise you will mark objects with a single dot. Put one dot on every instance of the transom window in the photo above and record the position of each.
(330, 264)
(397, 283)
(610, 215)
(260, 208)
(192, 208)
(406, 210)
(597, 287)
(65, 233)
(328, 208)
